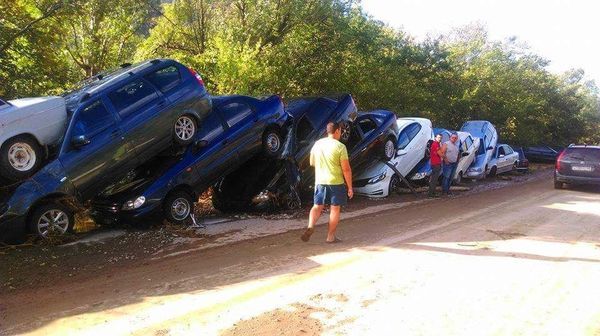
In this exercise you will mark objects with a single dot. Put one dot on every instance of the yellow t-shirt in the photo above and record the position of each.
(328, 154)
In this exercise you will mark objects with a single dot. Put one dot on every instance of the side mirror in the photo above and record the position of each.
(79, 141)
(490, 148)
(501, 155)
(465, 154)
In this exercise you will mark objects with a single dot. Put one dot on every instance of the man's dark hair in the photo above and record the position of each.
(440, 134)
(332, 126)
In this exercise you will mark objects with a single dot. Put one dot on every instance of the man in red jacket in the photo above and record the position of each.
(436, 164)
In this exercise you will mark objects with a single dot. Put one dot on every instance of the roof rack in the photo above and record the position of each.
(155, 61)
(125, 65)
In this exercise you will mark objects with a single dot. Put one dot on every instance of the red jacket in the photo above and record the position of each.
(435, 158)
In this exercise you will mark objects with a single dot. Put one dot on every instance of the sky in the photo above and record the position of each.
(565, 32)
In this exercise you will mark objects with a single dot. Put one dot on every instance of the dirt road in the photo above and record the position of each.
(517, 260)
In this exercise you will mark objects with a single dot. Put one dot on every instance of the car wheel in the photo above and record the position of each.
(394, 184)
(389, 149)
(493, 171)
(558, 185)
(346, 131)
(51, 220)
(178, 206)
(272, 143)
(184, 130)
(20, 158)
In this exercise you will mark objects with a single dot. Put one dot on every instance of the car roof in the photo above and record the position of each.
(417, 119)
(109, 78)
(584, 146)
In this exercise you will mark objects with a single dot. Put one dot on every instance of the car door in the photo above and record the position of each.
(241, 133)
(501, 165)
(104, 159)
(371, 141)
(511, 156)
(143, 118)
(215, 156)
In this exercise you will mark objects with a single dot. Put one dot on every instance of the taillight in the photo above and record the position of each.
(558, 159)
(197, 76)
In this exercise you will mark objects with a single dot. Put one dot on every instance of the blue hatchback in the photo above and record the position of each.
(117, 121)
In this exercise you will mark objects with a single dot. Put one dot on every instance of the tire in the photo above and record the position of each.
(558, 185)
(20, 157)
(178, 206)
(221, 202)
(184, 130)
(389, 149)
(493, 171)
(394, 184)
(51, 220)
(272, 143)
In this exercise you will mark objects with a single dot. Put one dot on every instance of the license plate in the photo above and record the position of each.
(582, 168)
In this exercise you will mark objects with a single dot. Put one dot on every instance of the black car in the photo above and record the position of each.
(577, 164)
(523, 163)
(307, 123)
(541, 153)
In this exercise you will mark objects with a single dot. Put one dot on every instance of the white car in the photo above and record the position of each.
(27, 127)
(468, 147)
(378, 179)
(505, 160)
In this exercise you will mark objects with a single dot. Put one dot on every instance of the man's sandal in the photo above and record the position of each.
(306, 235)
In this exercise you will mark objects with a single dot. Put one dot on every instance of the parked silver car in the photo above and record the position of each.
(28, 127)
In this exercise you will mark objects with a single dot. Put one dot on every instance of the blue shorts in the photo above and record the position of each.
(334, 194)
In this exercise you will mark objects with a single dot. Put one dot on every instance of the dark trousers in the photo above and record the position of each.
(433, 178)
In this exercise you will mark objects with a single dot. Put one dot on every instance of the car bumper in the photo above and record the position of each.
(13, 230)
(576, 179)
(371, 192)
(112, 213)
(475, 175)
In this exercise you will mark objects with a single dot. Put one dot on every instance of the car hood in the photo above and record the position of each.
(129, 187)
(22, 108)
(479, 161)
(371, 170)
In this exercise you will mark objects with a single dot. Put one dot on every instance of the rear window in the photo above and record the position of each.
(165, 79)
(582, 154)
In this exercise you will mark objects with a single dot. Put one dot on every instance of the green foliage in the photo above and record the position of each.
(297, 48)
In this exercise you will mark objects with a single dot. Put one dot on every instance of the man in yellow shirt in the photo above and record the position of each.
(330, 159)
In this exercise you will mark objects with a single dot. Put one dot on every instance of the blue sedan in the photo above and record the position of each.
(238, 128)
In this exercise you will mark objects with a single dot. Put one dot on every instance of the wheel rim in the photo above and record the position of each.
(345, 131)
(273, 142)
(21, 156)
(389, 149)
(185, 128)
(53, 222)
(180, 209)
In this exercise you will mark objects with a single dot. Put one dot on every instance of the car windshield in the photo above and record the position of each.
(582, 154)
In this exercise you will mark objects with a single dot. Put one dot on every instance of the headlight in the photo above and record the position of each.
(419, 176)
(378, 178)
(134, 204)
(476, 170)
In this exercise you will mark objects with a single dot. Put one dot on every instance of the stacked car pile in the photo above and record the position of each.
(148, 139)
